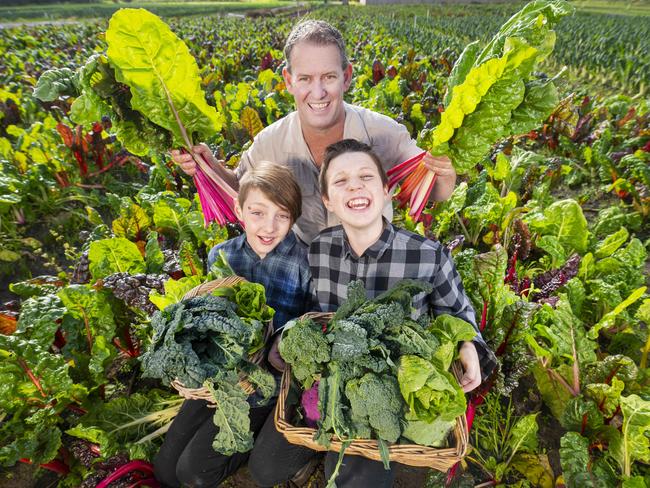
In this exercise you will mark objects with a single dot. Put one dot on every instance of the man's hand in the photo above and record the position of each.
(274, 355)
(187, 163)
(469, 359)
(441, 165)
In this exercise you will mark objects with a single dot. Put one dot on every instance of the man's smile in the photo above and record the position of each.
(319, 107)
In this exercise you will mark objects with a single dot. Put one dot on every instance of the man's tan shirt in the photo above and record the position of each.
(282, 142)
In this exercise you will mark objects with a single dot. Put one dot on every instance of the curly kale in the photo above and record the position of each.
(376, 401)
(196, 338)
(375, 317)
(348, 340)
(305, 348)
(411, 338)
(403, 293)
(360, 365)
(356, 298)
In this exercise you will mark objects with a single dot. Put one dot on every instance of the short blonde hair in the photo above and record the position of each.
(277, 183)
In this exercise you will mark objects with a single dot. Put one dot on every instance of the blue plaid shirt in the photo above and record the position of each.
(284, 272)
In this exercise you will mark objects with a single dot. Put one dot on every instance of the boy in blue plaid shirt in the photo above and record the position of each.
(269, 203)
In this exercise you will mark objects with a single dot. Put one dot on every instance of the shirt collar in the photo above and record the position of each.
(353, 128)
(376, 250)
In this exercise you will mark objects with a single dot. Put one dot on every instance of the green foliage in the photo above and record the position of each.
(147, 60)
(374, 400)
(115, 255)
(250, 299)
(195, 339)
(429, 392)
(230, 415)
(306, 348)
(130, 423)
(590, 149)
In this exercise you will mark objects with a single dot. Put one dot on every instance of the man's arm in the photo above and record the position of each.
(188, 164)
(393, 142)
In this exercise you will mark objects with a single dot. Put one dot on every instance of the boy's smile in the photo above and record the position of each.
(266, 224)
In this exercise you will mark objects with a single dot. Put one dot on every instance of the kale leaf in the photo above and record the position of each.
(196, 338)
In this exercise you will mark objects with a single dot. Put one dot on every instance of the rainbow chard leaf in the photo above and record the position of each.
(162, 74)
(165, 87)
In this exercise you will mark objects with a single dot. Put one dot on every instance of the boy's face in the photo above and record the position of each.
(266, 224)
(355, 193)
(317, 83)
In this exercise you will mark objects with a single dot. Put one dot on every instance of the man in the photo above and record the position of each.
(317, 74)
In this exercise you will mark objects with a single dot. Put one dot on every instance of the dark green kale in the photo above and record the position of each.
(375, 317)
(356, 298)
(411, 338)
(231, 414)
(376, 401)
(403, 293)
(305, 348)
(348, 340)
(196, 338)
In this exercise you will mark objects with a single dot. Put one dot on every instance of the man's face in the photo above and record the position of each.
(266, 224)
(355, 192)
(317, 83)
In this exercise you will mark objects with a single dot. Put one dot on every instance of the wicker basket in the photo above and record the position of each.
(257, 358)
(410, 454)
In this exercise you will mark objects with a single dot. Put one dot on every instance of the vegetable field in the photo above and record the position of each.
(550, 233)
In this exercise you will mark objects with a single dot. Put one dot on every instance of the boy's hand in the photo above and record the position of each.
(187, 163)
(441, 165)
(274, 355)
(469, 359)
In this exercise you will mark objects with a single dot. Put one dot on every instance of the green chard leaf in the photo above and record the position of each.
(161, 73)
(39, 316)
(175, 290)
(462, 66)
(540, 99)
(116, 255)
(154, 257)
(579, 469)
(54, 83)
(633, 444)
(565, 221)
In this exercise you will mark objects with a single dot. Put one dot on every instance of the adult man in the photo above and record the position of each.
(317, 74)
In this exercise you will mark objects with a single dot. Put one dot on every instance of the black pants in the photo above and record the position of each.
(186, 457)
(274, 460)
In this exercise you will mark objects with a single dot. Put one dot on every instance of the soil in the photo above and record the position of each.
(26, 476)
(405, 477)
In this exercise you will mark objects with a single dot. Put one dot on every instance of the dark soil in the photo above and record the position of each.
(27, 476)
(405, 477)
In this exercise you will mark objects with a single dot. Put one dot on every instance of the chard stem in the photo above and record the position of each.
(644, 354)
(23, 364)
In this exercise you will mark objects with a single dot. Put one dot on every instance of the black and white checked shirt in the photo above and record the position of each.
(397, 254)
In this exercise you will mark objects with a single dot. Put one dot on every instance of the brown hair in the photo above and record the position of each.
(317, 32)
(278, 185)
(347, 146)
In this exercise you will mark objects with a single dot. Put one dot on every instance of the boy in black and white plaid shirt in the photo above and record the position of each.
(367, 247)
